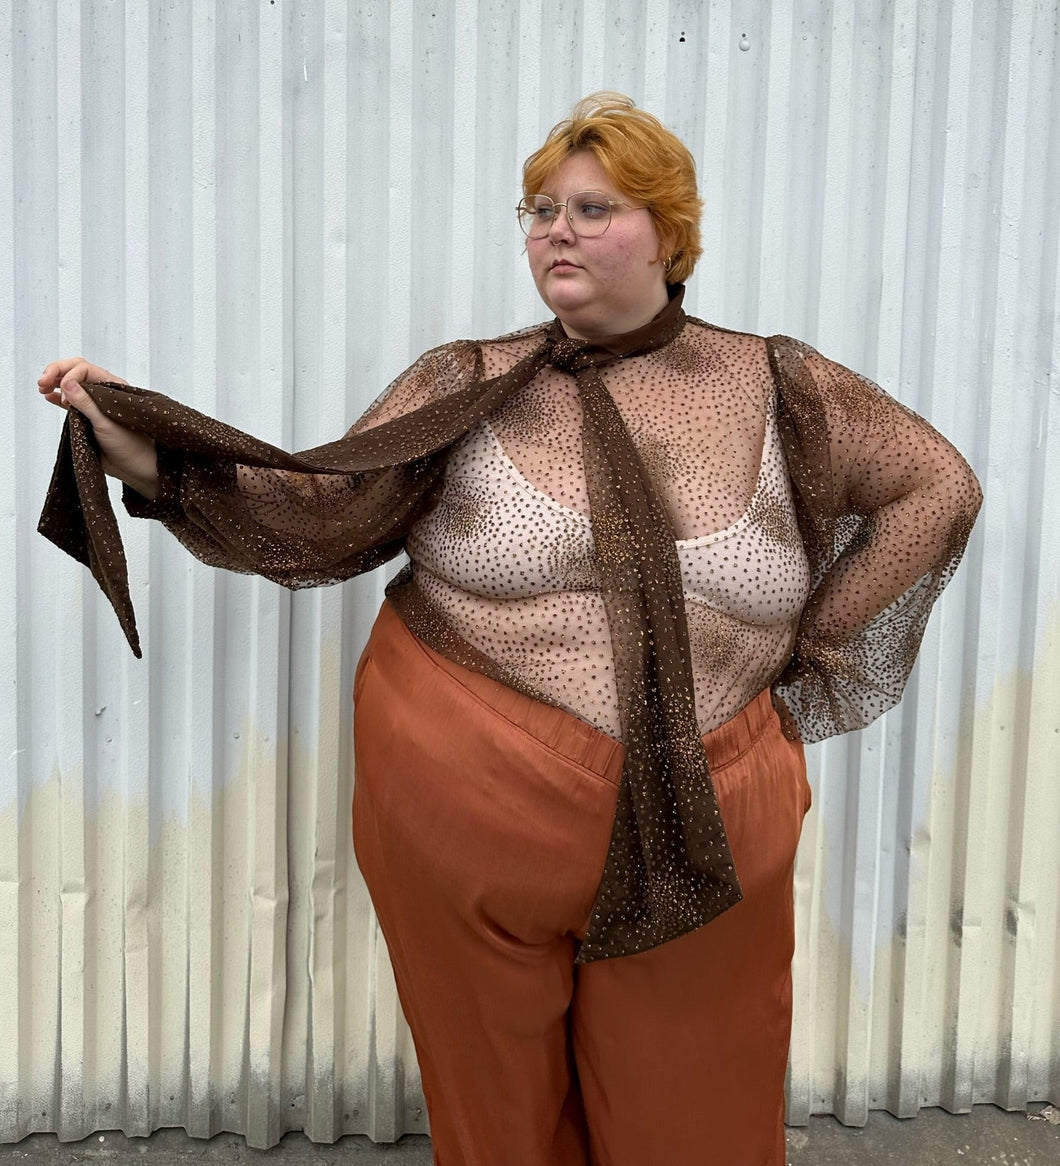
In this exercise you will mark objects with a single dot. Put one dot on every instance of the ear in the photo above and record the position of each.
(667, 247)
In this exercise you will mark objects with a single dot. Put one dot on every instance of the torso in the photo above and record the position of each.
(507, 552)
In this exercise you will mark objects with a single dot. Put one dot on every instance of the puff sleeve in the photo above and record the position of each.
(885, 506)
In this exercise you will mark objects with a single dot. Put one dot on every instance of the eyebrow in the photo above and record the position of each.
(615, 196)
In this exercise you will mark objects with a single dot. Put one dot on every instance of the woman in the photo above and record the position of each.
(637, 542)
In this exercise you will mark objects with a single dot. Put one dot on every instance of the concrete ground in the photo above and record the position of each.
(985, 1136)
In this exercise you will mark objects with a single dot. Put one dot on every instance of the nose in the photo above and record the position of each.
(561, 230)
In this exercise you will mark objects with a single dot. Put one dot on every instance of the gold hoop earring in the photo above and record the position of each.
(668, 262)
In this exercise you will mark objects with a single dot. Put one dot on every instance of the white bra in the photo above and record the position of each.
(493, 533)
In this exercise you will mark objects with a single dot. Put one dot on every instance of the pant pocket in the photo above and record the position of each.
(804, 781)
(361, 672)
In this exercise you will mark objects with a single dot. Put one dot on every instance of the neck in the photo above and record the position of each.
(586, 328)
(640, 325)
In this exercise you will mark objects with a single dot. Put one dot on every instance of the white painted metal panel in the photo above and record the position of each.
(268, 209)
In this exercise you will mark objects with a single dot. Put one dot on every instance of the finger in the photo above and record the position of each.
(55, 371)
(73, 378)
(49, 390)
(50, 378)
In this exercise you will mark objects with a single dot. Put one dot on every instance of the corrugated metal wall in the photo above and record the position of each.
(267, 209)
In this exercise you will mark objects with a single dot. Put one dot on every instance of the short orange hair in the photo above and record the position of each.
(641, 157)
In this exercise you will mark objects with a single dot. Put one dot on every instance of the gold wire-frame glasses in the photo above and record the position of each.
(588, 212)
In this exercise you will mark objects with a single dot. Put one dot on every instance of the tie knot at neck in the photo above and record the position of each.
(574, 355)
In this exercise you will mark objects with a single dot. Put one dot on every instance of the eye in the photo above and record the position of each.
(536, 216)
(593, 208)
(538, 209)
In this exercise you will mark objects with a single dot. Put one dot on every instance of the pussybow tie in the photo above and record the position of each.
(669, 866)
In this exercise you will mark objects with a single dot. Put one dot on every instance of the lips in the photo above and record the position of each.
(563, 265)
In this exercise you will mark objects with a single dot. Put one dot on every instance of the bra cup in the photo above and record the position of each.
(754, 571)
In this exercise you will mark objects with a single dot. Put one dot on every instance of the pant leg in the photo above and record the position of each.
(482, 847)
(682, 1050)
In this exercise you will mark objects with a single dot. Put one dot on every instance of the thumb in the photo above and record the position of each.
(71, 392)
(73, 395)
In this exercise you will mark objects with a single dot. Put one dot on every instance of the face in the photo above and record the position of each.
(606, 284)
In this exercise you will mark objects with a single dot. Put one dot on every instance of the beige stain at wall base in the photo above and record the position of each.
(978, 925)
(225, 971)
(164, 974)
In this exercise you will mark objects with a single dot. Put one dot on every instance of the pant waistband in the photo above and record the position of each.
(392, 643)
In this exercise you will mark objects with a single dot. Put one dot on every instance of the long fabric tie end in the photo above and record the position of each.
(78, 517)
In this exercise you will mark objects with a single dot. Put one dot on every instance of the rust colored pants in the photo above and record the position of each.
(481, 823)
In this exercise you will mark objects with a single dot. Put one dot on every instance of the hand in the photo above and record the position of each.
(128, 456)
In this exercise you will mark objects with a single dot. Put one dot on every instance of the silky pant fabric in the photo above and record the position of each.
(481, 822)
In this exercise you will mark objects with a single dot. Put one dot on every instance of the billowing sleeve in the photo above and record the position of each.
(237, 502)
(298, 528)
(885, 505)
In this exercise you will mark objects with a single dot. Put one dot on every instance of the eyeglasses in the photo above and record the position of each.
(588, 212)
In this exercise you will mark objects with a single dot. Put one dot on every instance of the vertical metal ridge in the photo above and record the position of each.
(75, 654)
(461, 289)
(1007, 1078)
(589, 46)
(956, 81)
(399, 192)
(265, 753)
(895, 351)
(834, 318)
(1033, 235)
(773, 259)
(1044, 720)
(898, 359)
(198, 599)
(712, 269)
(439, 227)
(994, 806)
(319, 669)
(135, 694)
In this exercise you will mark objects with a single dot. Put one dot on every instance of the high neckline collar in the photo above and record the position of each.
(663, 326)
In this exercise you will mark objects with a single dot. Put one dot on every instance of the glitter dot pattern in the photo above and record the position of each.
(494, 543)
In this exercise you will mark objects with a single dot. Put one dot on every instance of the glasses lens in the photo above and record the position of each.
(536, 215)
(591, 213)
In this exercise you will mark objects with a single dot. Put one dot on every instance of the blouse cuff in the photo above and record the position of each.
(166, 504)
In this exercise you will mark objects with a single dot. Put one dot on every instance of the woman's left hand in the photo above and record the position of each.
(126, 455)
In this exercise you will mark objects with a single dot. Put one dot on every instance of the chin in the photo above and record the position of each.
(566, 299)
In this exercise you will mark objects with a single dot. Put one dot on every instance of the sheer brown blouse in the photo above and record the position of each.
(657, 440)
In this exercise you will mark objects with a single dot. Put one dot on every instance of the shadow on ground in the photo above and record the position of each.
(985, 1137)
(933, 1138)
